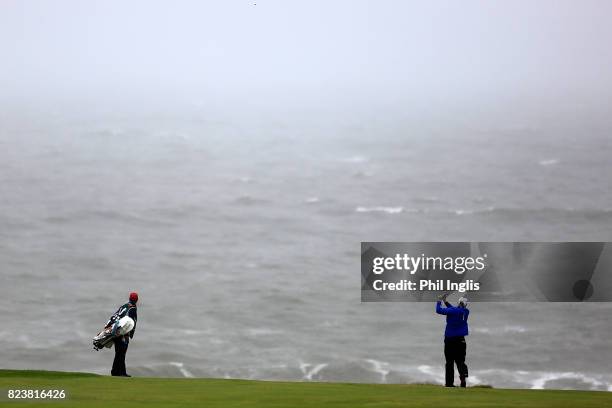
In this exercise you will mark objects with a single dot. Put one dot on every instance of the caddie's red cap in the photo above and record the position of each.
(133, 297)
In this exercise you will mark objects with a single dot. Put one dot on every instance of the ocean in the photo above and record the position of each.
(243, 241)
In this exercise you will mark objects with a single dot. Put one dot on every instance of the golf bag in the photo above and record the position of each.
(119, 324)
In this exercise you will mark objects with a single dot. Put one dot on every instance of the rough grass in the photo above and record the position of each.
(90, 390)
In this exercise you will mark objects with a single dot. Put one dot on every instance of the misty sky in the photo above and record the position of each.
(359, 50)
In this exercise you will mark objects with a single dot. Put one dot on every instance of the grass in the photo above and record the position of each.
(90, 390)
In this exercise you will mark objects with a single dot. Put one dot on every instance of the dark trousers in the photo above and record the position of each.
(454, 353)
(121, 346)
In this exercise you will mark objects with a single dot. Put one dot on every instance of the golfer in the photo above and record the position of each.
(454, 338)
(121, 342)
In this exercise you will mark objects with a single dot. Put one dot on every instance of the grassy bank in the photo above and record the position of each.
(100, 391)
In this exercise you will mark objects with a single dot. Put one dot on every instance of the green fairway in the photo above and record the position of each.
(100, 391)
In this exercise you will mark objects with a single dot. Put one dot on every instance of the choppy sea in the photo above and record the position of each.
(244, 244)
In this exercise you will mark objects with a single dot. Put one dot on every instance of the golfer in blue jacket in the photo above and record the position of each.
(454, 338)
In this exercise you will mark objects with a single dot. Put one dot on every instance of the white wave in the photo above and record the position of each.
(485, 330)
(505, 329)
(380, 367)
(464, 212)
(182, 369)
(474, 380)
(310, 370)
(475, 211)
(328, 323)
(388, 210)
(537, 379)
(262, 331)
(192, 332)
(540, 382)
(515, 329)
(312, 200)
(548, 162)
(435, 373)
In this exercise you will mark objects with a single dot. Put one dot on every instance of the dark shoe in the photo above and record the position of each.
(463, 385)
(126, 375)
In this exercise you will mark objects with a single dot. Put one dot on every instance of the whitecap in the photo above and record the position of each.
(474, 380)
(262, 331)
(380, 367)
(482, 330)
(548, 162)
(505, 329)
(310, 372)
(540, 382)
(430, 371)
(388, 210)
(515, 329)
(312, 200)
(182, 369)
